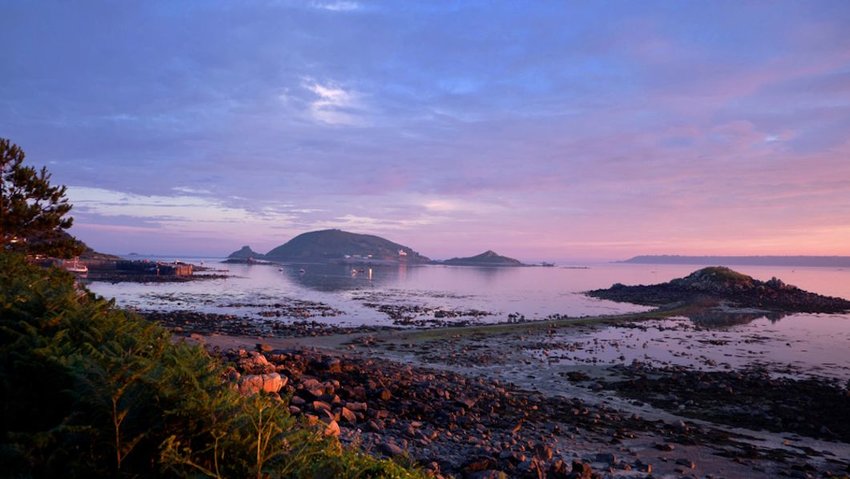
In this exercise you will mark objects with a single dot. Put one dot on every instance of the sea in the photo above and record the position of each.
(439, 296)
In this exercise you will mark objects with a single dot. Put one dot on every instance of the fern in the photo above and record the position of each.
(89, 390)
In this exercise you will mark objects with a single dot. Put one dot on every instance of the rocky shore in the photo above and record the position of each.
(454, 425)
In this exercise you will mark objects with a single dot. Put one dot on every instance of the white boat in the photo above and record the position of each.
(75, 267)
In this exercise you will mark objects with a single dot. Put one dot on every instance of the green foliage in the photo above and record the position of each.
(89, 390)
(32, 212)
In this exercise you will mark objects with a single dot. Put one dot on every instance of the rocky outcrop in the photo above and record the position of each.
(244, 253)
(721, 284)
(487, 258)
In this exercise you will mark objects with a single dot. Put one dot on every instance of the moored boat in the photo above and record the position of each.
(75, 267)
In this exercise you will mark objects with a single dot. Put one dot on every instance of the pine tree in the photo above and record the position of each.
(32, 212)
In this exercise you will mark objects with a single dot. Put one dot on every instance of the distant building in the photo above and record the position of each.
(159, 269)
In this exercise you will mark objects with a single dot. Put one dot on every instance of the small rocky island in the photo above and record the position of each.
(245, 255)
(716, 285)
(487, 258)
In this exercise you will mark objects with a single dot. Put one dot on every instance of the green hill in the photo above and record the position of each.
(338, 245)
(487, 258)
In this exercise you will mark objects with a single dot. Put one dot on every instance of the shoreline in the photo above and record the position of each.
(491, 357)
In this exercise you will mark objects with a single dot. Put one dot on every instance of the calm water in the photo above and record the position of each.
(796, 344)
(533, 292)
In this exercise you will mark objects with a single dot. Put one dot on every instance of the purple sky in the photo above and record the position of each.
(545, 130)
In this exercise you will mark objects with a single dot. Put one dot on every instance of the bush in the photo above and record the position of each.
(90, 390)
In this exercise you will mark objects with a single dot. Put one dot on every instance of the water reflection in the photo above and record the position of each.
(488, 273)
(347, 277)
(535, 293)
(717, 319)
(330, 278)
(800, 345)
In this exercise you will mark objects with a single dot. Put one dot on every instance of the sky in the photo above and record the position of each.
(541, 130)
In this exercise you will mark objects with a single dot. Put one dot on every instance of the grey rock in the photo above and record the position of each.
(390, 449)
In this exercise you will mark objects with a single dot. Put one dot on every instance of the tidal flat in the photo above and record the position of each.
(665, 392)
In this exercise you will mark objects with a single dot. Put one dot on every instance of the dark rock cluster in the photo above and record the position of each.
(195, 322)
(752, 398)
(422, 316)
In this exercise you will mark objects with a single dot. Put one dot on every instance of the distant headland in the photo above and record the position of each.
(812, 261)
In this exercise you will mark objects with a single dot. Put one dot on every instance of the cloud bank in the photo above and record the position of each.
(552, 131)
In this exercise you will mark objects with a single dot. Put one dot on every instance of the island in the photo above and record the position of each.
(718, 285)
(487, 258)
(244, 255)
(335, 246)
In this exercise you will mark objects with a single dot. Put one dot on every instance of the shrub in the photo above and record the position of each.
(91, 390)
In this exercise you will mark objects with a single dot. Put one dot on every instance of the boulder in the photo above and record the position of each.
(321, 406)
(254, 383)
(348, 415)
(391, 449)
(256, 363)
(332, 429)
